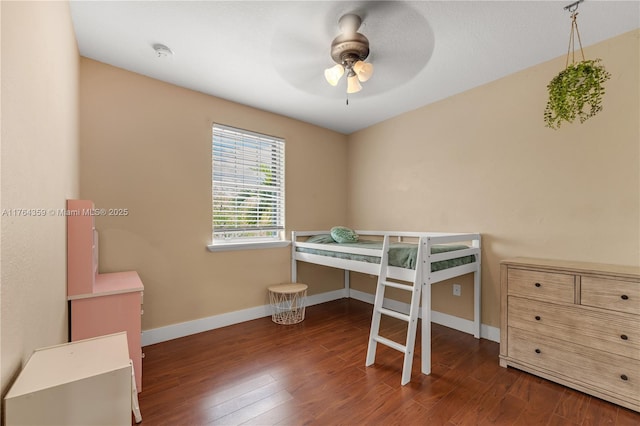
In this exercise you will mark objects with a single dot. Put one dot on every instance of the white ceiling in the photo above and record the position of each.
(271, 54)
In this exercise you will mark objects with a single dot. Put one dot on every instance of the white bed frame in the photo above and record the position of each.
(427, 239)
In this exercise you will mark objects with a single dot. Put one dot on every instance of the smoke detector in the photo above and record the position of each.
(162, 51)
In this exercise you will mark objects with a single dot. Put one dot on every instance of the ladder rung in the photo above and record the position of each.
(398, 285)
(395, 314)
(395, 345)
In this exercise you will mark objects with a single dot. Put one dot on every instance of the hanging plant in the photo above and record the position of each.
(577, 91)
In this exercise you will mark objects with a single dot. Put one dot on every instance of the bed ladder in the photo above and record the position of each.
(411, 319)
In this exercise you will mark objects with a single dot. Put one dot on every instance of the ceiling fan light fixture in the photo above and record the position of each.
(364, 70)
(349, 50)
(333, 74)
(353, 84)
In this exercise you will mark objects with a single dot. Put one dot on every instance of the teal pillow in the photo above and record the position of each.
(320, 239)
(342, 234)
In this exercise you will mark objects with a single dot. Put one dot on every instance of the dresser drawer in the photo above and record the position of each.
(609, 373)
(539, 285)
(623, 296)
(614, 332)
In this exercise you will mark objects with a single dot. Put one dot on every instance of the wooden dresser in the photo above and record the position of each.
(100, 304)
(577, 324)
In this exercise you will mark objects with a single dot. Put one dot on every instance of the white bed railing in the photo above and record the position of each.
(428, 239)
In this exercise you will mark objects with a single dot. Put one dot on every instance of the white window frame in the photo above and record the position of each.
(237, 155)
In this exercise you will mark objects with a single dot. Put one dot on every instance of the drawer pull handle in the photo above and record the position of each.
(624, 377)
(538, 351)
(537, 318)
(538, 285)
(624, 337)
(624, 297)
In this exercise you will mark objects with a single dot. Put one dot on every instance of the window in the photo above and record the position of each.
(248, 186)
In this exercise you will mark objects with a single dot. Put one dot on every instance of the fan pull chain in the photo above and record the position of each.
(347, 97)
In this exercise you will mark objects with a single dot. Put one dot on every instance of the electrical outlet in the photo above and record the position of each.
(457, 289)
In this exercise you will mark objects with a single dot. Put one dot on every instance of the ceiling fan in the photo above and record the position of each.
(380, 34)
(349, 51)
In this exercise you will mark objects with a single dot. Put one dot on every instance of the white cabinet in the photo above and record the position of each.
(85, 383)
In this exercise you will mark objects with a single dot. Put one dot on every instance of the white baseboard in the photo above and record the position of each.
(486, 331)
(174, 331)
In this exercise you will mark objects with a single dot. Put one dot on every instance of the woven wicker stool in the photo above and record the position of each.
(288, 302)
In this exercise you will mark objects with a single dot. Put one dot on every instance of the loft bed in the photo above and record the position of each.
(447, 255)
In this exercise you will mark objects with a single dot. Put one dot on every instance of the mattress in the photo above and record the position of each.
(402, 255)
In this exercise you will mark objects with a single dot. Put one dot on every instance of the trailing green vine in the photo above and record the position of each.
(576, 92)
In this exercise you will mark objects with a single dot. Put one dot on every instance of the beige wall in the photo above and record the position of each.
(146, 146)
(483, 161)
(39, 167)
(572, 193)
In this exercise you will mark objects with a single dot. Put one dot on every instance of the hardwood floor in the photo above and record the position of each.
(261, 373)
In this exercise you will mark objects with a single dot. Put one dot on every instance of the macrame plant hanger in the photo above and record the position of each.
(571, 52)
(577, 91)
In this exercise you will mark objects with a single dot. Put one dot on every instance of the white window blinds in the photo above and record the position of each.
(248, 185)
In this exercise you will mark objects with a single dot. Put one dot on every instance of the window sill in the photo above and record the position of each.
(247, 245)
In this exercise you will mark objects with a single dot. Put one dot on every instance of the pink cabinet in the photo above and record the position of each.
(100, 304)
(82, 247)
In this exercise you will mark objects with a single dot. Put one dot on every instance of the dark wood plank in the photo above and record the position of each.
(313, 373)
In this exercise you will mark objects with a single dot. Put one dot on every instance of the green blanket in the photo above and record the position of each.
(402, 255)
